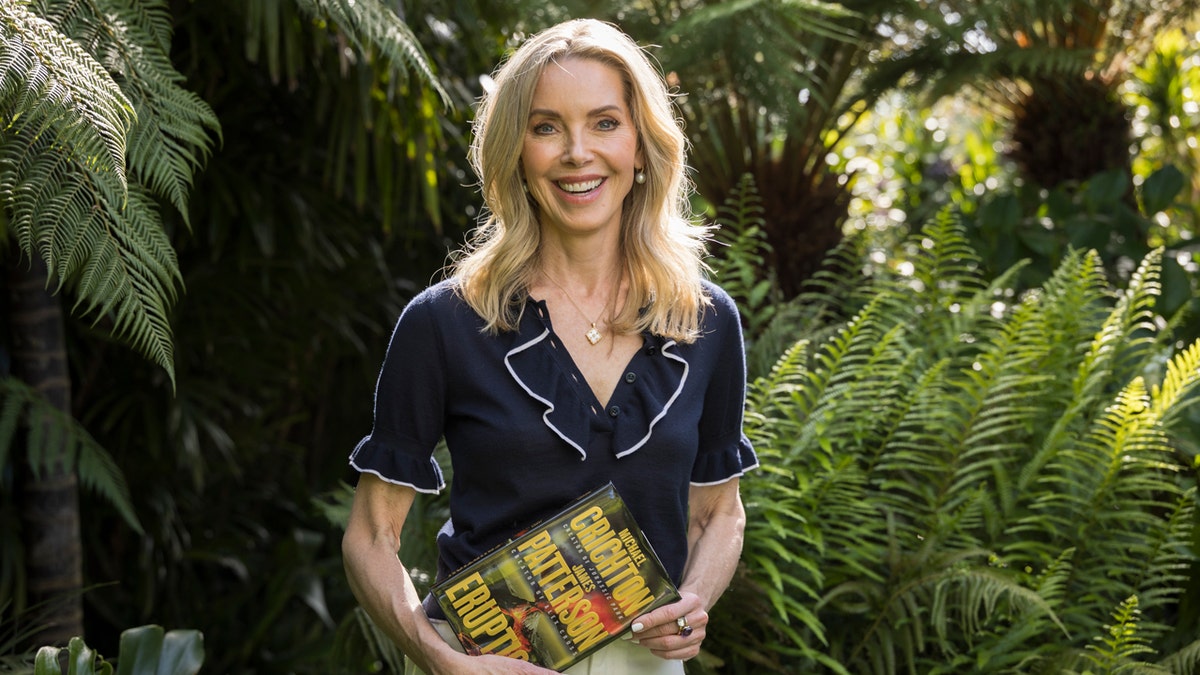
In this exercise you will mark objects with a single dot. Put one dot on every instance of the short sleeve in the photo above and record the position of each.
(725, 452)
(409, 398)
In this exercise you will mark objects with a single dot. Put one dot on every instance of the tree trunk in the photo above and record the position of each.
(1067, 130)
(47, 493)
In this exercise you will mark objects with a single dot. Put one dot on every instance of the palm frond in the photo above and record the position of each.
(755, 42)
(383, 105)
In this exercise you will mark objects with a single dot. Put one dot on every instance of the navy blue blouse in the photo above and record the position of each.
(526, 435)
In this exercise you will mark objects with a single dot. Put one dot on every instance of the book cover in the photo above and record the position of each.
(560, 590)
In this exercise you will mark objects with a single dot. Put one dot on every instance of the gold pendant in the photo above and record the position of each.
(594, 335)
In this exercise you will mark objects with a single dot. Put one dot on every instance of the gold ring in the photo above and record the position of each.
(684, 629)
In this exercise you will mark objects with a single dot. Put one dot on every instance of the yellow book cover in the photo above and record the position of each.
(560, 590)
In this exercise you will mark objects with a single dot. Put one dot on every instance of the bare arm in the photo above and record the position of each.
(715, 525)
(384, 589)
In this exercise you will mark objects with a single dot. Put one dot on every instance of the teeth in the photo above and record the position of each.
(581, 187)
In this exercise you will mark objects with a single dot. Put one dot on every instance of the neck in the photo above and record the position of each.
(582, 272)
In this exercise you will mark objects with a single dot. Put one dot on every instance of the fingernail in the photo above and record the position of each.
(638, 627)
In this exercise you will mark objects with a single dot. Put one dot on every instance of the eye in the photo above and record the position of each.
(607, 124)
(543, 128)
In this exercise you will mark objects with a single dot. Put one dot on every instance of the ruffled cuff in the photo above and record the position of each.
(398, 465)
(717, 467)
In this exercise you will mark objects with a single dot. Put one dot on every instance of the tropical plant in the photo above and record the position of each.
(960, 480)
(1055, 67)
(739, 257)
(1165, 91)
(96, 129)
(145, 650)
(294, 284)
(98, 133)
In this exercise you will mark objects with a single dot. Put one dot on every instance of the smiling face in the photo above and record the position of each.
(580, 149)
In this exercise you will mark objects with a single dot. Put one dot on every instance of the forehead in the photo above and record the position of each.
(580, 82)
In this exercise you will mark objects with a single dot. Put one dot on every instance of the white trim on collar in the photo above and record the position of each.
(666, 407)
(549, 404)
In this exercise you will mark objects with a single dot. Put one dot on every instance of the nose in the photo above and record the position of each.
(576, 149)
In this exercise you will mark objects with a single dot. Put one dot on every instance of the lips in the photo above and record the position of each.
(579, 187)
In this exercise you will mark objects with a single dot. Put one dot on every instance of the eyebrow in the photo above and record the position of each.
(591, 113)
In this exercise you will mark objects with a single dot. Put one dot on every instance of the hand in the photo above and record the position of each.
(661, 634)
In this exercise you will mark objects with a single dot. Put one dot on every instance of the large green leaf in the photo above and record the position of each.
(147, 650)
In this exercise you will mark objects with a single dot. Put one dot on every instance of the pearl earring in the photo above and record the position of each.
(640, 177)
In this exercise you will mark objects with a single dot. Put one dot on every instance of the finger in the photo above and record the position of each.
(662, 621)
(671, 636)
(677, 647)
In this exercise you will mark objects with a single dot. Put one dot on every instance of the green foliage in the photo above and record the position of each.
(1122, 643)
(375, 28)
(293, 288)
(957, 480)
(1165, 94)
(382, 101)
(145, 650)
(1042, 226)
(741, 257)
(97, 126)
(293, 279)
(52, 82)
(49, 431)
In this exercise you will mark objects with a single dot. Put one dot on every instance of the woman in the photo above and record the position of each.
(575, 343)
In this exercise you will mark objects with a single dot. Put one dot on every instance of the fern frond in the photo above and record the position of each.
(939, 591)
(52, 437)
(70, 199)
(772, 399)
(1122, 641)
(1186, 661)
(48, 82)
(1073, 312)
(112, 252)
(933, 422)
(1172, 396)
(172, 136)
(739, 263)
(970, 598)
(373, 26)
(1129, 329)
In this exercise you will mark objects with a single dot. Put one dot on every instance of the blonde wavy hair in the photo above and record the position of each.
(662, 247)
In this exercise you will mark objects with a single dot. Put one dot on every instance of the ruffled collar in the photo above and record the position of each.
(541, 366)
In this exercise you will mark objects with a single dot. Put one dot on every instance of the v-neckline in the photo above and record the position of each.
(567, 361)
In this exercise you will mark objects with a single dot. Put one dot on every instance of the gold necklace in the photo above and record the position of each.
(593, 335)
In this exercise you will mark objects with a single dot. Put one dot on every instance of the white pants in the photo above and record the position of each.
(619, 657)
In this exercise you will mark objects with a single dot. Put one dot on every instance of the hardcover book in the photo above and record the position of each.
(561, 589)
